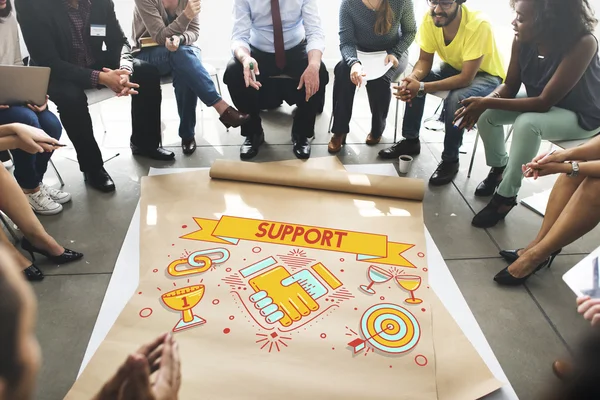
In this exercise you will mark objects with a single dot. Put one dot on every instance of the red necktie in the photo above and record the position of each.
(278, 33)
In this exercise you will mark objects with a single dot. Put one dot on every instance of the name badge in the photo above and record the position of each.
(98, 30)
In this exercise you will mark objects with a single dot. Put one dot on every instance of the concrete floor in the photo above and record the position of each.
(527, 327)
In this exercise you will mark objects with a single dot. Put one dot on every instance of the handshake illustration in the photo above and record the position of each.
(285, 298)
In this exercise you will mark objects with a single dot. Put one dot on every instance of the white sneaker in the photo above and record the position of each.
(42, 204)
(57, 195)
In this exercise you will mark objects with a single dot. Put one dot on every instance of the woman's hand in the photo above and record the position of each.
(390, 58)
(39, 109)
(545, 164)
(536, 170)
(357, 74)
(590, 309)
(33, 140)
(471, 110)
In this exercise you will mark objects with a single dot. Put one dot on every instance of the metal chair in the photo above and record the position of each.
(9, 226)
(510, 131)
(60, 179)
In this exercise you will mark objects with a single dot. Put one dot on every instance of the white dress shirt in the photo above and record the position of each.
(253, 25)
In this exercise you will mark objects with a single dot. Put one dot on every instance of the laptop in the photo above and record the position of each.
(21, 85)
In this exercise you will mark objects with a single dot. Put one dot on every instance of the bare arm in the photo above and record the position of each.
(568, 73)
(512, 84)
(423, 66)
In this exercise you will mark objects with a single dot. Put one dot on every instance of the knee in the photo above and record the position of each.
(145, 73)
(24, 115)
(324, 76)
(342, 71)
(185, 54)
(52, 125)
(527, 124)
(68, 96)
(234, 73)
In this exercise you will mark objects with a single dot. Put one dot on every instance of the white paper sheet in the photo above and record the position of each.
(584, 277)
(373, 64)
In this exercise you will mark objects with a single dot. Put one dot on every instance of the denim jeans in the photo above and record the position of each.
(482, 85)
(190, 80)
(30, 168)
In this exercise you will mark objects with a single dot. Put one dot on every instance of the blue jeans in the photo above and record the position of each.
(30, 168)
(482, 85)
(190, 80)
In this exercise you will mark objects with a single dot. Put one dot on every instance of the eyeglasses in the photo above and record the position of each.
(445, 4)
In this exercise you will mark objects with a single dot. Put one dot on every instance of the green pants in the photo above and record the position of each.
(529, 130)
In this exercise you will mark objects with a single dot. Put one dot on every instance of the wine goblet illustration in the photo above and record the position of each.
(410, 283)
(376, 275)
(184, 300)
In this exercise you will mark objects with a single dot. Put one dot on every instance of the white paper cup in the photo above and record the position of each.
(404, 163)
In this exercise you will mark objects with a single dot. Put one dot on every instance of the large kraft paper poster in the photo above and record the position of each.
(278, 292)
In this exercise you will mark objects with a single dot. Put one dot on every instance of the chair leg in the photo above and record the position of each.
(396, 120)
(60, 179)
(216, 78)
(9, 228)
(473, 155)
(510, 132)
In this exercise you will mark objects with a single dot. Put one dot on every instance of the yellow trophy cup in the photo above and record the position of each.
(184, 300)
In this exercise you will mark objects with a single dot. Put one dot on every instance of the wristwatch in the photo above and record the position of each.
(421, 91)
(575, 171)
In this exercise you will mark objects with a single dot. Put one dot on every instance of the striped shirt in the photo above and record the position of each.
(81, 54)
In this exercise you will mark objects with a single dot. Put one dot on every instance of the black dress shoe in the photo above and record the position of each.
(188, 146)
(405, 147)
(250, 147)
(301, 147)
(494, 212)
(66, 257)
(33, 273)
(100, 179)
(445, 172)
(512, 255)
(505, 278)
(488, 186)
(156, 154)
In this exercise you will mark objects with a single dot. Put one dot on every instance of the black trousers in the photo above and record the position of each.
(378, 91)
(276, 90)
(72, 105)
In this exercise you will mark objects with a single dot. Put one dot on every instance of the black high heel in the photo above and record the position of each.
(66, 257)
(33, 273)
(512, 255)
(506, 279)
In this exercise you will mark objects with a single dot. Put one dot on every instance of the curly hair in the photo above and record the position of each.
(561, 22)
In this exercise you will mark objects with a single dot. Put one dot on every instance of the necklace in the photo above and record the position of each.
(370, 5)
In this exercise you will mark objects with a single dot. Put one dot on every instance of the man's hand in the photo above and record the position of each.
(192, 9)
(310, 80)
(248, 78)
(590, 309)
(407, 90)
(172, 43)
(3, 107)
(38, 109)
(113, 79)
(357, 74)
(33, 140)
(470, 112)
(390, 58)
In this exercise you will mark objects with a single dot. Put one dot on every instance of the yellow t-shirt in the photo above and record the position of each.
(473, 40)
